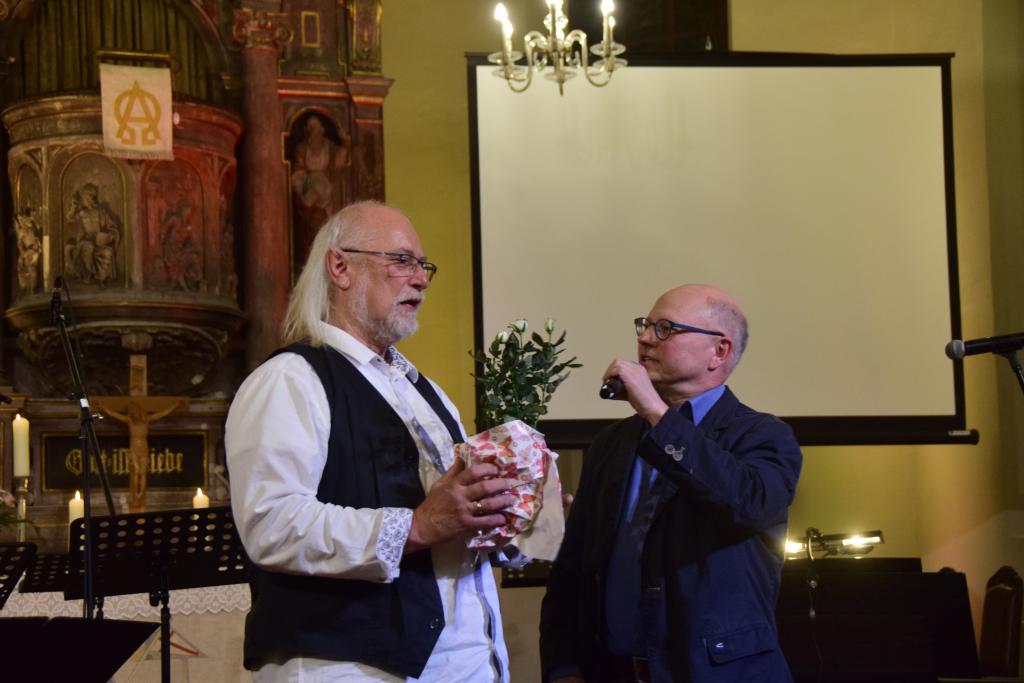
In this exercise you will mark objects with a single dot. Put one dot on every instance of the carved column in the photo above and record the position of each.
(267, 280)
(6, 215)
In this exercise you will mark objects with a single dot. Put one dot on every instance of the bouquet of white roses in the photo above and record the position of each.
(518, 375)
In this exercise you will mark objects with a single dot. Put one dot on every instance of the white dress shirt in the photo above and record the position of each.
(276, 442)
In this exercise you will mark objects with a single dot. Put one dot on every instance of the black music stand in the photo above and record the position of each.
(90, 650)
(156, 552)
(15, 558)
(48, 573)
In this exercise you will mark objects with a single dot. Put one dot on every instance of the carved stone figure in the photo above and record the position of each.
(181, 255)
(30, 249)
(91, 253)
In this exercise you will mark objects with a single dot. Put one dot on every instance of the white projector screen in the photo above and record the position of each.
(817, 190)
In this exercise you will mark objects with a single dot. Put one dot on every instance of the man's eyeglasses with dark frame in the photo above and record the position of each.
(402, 264)
(663, 329)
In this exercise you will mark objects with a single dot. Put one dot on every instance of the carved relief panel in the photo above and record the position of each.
(175, 227)
(92, 209)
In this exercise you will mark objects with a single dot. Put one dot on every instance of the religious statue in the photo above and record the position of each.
(316, 178)
(137, 416)
(90, 254)
(30, 249)
(179, 248)
(138, 410)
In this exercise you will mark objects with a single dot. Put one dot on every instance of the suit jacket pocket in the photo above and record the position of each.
(752, 640)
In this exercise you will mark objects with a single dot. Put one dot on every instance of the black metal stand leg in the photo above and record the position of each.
(165, 641)
(1011, 356)
(163, 597)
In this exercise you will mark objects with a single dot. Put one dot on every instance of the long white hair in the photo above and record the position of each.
(310, 302)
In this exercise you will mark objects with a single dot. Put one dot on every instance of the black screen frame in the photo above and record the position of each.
(810, 431)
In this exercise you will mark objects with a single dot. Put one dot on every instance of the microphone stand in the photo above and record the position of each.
(87, 439)
(812, 538)
(1011, 356)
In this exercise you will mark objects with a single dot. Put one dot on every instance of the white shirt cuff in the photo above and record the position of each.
(394, 532)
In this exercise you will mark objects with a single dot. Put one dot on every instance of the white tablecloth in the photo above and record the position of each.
(192, 601)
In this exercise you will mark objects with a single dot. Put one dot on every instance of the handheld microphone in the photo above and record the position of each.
(1006, 343)
(55, 300)
(612, 388)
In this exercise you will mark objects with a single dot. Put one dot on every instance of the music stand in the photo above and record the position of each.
(15, 558)
(47, 573)
(90, 650)
(156, 552)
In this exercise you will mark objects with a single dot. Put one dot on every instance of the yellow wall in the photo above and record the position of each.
(943, 503)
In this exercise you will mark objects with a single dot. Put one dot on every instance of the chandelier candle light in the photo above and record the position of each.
(559, 49)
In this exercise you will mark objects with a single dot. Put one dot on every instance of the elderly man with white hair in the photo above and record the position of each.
(344, 487)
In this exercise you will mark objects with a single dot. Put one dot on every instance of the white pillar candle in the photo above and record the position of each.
(21, 458)
(76, 507)
(200, 500)
(607, 7)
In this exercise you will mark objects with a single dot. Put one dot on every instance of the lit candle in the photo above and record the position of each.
(200, 500)
(607, 7)
(553, 7)
(501, 15)
(76, 507)
(21, 462)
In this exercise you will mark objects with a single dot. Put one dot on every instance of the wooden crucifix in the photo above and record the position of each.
(138, 410)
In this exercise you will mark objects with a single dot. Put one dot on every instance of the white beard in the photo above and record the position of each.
(398, 325)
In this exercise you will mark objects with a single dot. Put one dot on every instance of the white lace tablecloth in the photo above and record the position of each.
(191, 601)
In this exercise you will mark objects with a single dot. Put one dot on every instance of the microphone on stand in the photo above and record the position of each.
(1006, 343)
(612, 388)
(55, 300)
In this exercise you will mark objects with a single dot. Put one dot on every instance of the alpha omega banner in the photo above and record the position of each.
(137, 111)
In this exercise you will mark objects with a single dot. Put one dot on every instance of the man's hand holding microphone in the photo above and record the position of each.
(627, 380)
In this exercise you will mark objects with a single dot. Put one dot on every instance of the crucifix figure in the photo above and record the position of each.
(138, 410)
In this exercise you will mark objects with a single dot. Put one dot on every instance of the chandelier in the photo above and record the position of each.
(564, 51)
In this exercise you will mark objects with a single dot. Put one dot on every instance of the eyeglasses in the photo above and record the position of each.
(663, 329)
(402, 264)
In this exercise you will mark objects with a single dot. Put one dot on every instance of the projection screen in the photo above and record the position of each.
(816, 189)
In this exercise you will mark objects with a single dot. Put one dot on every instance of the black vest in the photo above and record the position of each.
(372, 462)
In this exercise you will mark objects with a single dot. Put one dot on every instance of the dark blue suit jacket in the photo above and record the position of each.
(712, 552)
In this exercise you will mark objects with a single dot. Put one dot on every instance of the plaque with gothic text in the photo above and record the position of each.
(177, 461)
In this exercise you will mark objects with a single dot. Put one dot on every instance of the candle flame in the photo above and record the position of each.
(607, 6)
(500, 13)
(199, 492)
(78, 495)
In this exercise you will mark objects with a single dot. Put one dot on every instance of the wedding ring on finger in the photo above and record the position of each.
(478, 508)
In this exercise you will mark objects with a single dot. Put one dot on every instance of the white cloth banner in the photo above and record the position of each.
(137, 112)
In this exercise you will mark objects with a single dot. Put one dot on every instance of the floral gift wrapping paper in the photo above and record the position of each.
(520, 453)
